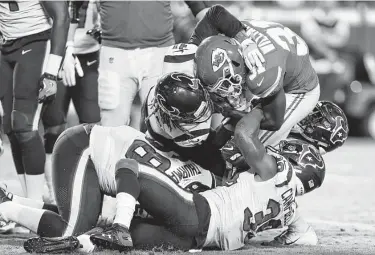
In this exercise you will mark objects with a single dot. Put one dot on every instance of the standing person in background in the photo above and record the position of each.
(32, 51)
(136, 36)
(79, 75)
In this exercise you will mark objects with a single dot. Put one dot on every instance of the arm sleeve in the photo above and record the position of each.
(217, 20)
(197, 6)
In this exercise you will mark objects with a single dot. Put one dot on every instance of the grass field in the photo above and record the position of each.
(342, 211)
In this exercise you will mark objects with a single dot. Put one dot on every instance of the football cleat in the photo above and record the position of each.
(292, 236)
(51, 244)
(116, 237)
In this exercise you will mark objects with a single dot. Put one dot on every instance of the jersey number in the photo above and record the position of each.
(284, 37)
(143, 153)
(262, 221)
(13, 6)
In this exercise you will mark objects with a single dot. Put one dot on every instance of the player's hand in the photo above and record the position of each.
(232, 154)
(47, 88)
(71, 67)
(221, 105)
(96, 33)
(252, 55)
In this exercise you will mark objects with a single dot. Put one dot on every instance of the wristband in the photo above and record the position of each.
(53, 64)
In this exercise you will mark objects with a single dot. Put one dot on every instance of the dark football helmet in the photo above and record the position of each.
(180, 98)
(220, 66)
(307, 162)
(326, 126)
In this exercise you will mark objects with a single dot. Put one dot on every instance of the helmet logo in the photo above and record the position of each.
(310, 157)
(193, 83)
(339, 133)
(218, 59)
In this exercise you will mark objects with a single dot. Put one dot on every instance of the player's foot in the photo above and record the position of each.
(51, 244)
(117, 237)
(294, 236)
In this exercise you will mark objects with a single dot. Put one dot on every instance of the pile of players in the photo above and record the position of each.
(202, 184)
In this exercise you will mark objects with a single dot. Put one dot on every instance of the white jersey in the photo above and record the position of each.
(22, 18)
(250, 206)
(178, 58)
(89, 19)
(109, 144)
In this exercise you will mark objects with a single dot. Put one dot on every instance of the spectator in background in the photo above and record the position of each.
(135, 35)
(79, 76)
(327, 35)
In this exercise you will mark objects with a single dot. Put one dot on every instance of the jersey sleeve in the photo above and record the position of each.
(267, 83)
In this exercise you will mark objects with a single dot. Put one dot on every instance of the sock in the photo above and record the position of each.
(125, 207)
(128, 190)
(35, 186)
(23, 215)
(22, 179)
(49, 195)
(37, 204)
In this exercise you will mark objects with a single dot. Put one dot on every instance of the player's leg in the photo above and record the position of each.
(26, 115)
(85, 93)
(117, 87)
(298, 106)
(54, 122)
(75, 181)
(158, 195)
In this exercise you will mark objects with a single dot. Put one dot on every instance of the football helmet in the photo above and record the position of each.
(307, 162)
(326, 126)
(220, 66)
(181, 99)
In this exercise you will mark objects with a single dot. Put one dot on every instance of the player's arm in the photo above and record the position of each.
(58, 11)
(246, 138)
(274, 111)
(218, 20)
(198, 8)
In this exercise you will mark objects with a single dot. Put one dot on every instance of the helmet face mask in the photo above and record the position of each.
(220, 66)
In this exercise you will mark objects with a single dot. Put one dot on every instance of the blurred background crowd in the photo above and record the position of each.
(339, 35)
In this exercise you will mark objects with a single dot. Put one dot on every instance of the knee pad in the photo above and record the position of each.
(22, 122)
(24, 137)
(109, 83)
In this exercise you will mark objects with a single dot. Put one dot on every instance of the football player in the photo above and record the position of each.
(31, 56)
(285, 84)
(84, 161)
(151, 179)
(326, 127)
(223, 217)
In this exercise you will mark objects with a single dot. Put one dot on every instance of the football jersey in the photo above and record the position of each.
(250, 206)
(22, 18)
(179, 58)
(109, 144)
(88, 19)
(287, 63)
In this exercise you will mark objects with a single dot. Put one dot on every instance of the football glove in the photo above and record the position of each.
(233, 156)
(252, 55)
(71, 67)
(47, 88)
